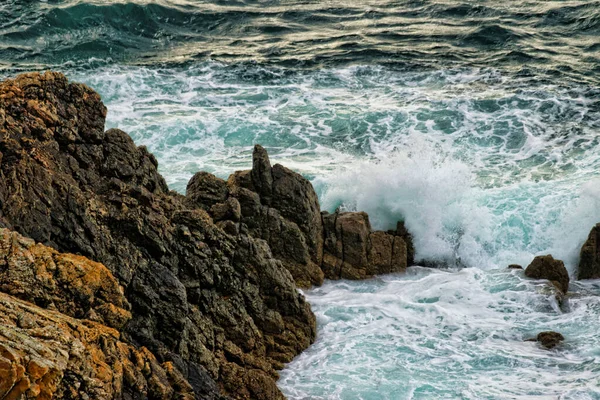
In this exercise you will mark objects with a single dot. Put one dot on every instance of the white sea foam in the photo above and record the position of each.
(433, 334)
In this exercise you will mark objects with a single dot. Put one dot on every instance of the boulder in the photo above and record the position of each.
(515, 266)
(546, 267)
(217, 308)
(549, 339)
(589, 257)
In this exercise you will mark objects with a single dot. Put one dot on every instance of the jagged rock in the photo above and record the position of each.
(229, 210)
(281, 207)
(262, 174)
(205, 190)
(550, 339)
(546, 267)
(589, 257)
(353, 251)
(71, 284)
(219, 307)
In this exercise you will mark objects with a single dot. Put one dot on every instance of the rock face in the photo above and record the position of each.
(546, 267)
(48, 351)
(215, 308)
(112, 286)
(70, 284)
(589, 261)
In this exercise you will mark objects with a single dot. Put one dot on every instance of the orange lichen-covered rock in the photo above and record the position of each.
(71, 284)
(45, 354)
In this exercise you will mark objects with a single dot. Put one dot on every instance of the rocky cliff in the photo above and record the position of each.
(134, 291)
(218, 307)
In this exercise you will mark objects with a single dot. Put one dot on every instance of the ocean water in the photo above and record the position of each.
(475, 122)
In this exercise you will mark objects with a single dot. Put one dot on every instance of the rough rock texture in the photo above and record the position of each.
(45, 353)
(218, 307)
(272, 203)
(589, 261)
(546, 267)
(353, 251)
(549, 339)
(71, 284)
(281, 207)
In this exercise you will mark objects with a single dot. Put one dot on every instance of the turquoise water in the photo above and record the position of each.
(475, 122)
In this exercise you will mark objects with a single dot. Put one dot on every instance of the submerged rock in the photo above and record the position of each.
(216, 307)
(550, 339)
(589, 257)
(546, 267)
(515, 266)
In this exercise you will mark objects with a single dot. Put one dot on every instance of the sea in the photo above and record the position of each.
(477, 123)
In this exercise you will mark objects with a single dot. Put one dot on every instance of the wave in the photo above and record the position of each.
(300, 35)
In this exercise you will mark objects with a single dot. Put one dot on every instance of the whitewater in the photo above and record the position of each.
(475, 123)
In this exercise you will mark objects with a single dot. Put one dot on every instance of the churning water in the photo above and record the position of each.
(475, 122)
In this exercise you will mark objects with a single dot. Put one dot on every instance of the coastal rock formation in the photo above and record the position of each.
(48, 350)
(550, 339)
(218, 309)
(281, 207)
(184, 296)
(546, 267)
(353, 251)
(589, 260)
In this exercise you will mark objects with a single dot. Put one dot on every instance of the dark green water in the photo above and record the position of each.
(477, 122)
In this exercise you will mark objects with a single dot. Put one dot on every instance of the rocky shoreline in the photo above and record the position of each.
(113, 286)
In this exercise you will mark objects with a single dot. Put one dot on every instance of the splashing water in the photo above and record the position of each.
(476, 123)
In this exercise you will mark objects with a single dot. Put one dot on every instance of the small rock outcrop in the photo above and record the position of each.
(281, 207)
(515, 266)
(546, 267)
(549, 339)
(589, 257)
(353, 251)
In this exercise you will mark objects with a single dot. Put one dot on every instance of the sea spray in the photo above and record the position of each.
(429, 190)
